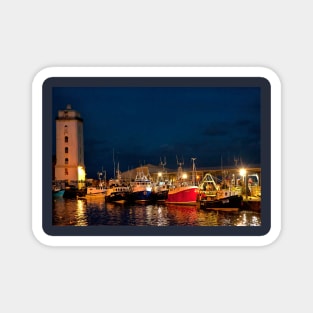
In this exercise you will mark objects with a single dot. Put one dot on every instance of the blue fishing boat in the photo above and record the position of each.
(161, 185)
(140, 188)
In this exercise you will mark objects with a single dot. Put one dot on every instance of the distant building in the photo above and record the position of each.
(147, 170)
(253, 173)
(69, 165)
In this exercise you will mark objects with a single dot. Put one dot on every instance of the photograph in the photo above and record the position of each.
(157, 153)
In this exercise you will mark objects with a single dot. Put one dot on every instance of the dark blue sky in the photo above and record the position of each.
(144, 124)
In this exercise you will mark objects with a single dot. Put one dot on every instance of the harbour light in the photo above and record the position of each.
(242, 172)
(81, 173)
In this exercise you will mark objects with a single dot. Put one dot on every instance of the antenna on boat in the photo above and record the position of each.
(163, 163)
(105, 174)
(99, 177)
(179, 163)
(236, 161)
(180, 169)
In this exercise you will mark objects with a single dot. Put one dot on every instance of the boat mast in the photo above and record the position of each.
(99, 177)
(118, 172)
(113, 164)
(163, 164)
(105, 176)
(180, 169)
(193, 171)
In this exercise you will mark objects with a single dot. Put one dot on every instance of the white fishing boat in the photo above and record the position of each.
(98, 190)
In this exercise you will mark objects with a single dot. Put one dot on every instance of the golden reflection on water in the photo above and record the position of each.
(95, 201)
(247, 218)
(69, 212)
(96, 211)
(208, 218)
(81, 216)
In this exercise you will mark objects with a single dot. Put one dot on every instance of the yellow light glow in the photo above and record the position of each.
(81, 173)
(184, 176)
(81, 215)
(242, 172)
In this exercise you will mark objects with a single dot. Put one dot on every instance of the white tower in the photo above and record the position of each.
(70, 147)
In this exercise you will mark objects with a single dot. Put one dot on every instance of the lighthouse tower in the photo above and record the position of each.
(70, 147)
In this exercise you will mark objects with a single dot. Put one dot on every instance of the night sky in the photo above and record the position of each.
(141, 125)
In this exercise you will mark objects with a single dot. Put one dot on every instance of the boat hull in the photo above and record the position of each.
(119, 197)
(95, 195)
(160, 195)
(144, 195)
(95, 191)
(228, 202)
(59, 193)
(140, 190)
(183, 195)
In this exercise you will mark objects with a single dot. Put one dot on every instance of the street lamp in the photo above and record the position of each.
(243, 172)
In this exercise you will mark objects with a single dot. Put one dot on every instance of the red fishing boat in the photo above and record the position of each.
(183, 191)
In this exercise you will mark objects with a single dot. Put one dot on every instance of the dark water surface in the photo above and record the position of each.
(87, 212)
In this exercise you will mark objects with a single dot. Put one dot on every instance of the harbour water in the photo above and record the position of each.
(91, 212)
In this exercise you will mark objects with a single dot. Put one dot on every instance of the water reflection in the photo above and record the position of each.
(80, 216)
(84, 212)
(183, 215)
(69, 212)
(157, 215)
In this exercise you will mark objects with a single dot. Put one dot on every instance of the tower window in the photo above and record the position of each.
(66, 160)
(65, 139)
(66, 149)
(66, 171)
(65, 129)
